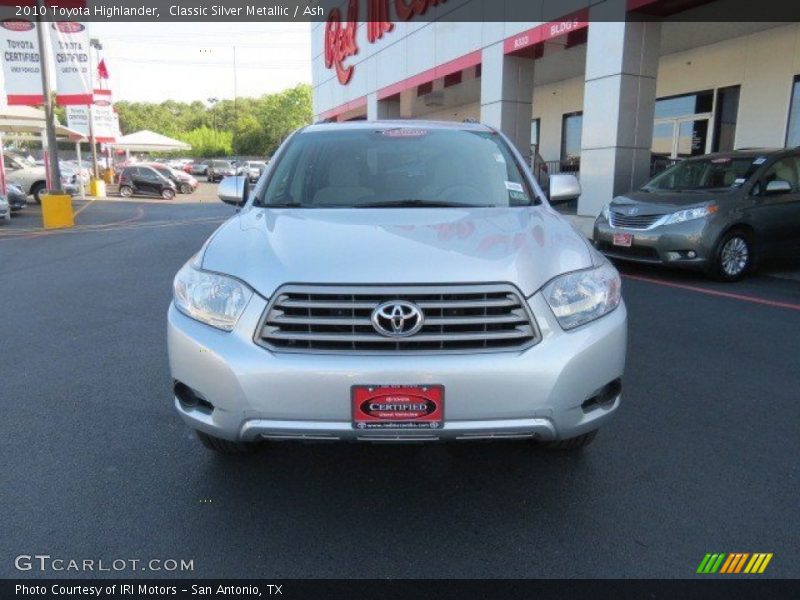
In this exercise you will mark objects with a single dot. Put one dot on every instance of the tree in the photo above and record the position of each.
(247, 126)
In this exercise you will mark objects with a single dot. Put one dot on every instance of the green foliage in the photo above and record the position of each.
(247, 126)
(207, 142)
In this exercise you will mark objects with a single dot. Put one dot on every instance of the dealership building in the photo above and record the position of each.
(608, 91)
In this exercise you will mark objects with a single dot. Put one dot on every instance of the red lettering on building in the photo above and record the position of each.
(409, 8)
(378, 21)
(340, 38)
(340, 41)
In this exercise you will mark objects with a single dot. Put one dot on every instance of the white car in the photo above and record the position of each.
(5, 209)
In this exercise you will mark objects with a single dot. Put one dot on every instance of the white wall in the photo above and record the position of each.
(763, 63)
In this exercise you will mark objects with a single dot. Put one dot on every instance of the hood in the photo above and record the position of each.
(667, 201)
(271, 247)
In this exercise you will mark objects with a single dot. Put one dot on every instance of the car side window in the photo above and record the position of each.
(785, 169)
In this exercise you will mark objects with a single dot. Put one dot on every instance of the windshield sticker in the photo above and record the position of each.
(500, 158)
(404, 133)
(739, 181)
(512, 186)
(521, 196)
(760, 160)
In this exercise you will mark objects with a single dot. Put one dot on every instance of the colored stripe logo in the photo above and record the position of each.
(734, 562)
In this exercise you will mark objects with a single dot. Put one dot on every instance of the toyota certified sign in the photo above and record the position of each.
(21, 69)
(70, 42)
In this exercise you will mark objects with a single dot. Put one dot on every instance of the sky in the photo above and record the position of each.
(194, 61)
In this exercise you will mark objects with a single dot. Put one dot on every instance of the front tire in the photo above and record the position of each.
(36, 191)
(167, 194)
(126, 191)
(734, 256)
(572, 444)
(186, 188)
(226, 447)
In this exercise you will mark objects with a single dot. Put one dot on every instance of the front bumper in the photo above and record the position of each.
(689, 244)
(544, 392)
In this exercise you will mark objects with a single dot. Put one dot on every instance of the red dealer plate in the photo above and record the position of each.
(623, 239)
(397, 406)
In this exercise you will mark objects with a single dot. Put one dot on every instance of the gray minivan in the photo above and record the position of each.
(720, 213)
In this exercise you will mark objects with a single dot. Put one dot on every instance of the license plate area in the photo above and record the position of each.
(397, 406)
(623, 239)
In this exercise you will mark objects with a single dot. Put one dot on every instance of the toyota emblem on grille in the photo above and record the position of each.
(633, 211)
(397, 318)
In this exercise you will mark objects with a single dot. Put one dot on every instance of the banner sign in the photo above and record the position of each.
(74, 78)
(104, 121)
(23, 76)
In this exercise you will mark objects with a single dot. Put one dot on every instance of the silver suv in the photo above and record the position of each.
(396, 281)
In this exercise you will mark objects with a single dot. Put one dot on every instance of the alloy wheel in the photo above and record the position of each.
(735, 256)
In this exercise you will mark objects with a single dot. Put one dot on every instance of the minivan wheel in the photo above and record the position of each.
(126, 191)
(226, 447)
(575, 443)
(167, 194)
(733, 256)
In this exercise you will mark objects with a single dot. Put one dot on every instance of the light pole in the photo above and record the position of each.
(94, 43)
(49, 113)
(213, 102)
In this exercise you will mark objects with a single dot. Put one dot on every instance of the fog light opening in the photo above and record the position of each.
(191, 399)
(607, 394)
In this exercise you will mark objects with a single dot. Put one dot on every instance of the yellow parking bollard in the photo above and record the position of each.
(97, 188)
(57, 211)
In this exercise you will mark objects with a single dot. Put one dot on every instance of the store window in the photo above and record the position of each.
(682, 106)
(571, 126)
(727, 111)
(793, 131)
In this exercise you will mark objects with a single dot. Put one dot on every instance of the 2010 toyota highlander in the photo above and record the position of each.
(396, 281)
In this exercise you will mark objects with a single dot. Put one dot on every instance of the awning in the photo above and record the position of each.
(148, 141)
(16, 120)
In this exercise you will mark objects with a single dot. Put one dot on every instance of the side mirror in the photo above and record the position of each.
(234, 190)
(564, 188)
(778, 186)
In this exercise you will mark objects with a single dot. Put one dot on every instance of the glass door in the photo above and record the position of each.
(682, 137)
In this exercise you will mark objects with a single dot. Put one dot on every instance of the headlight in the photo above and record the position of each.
(582, 296)
(606, 210)
(691, 213)
(211, 298)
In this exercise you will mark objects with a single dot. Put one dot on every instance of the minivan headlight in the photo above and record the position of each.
(582, 296)
(210, 298)
(690, 214)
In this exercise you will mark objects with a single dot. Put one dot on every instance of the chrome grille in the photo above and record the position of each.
(618, 219)
(338, 319)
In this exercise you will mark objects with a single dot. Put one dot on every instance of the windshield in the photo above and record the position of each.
(704, 174)
(221, 164)
(404, 166)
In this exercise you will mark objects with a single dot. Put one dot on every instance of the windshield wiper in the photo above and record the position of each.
(412, 202)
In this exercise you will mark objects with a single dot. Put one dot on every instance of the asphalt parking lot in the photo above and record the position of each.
(702, 456)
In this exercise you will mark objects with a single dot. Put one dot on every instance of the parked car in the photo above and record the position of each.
(187, 167)
(184, 183)
(30, 177)
(17, 198)
(253, 169)
(397, 281)
(5, 210)
(145, 181)
(200, 167)
(720, 213)
(217, 169)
